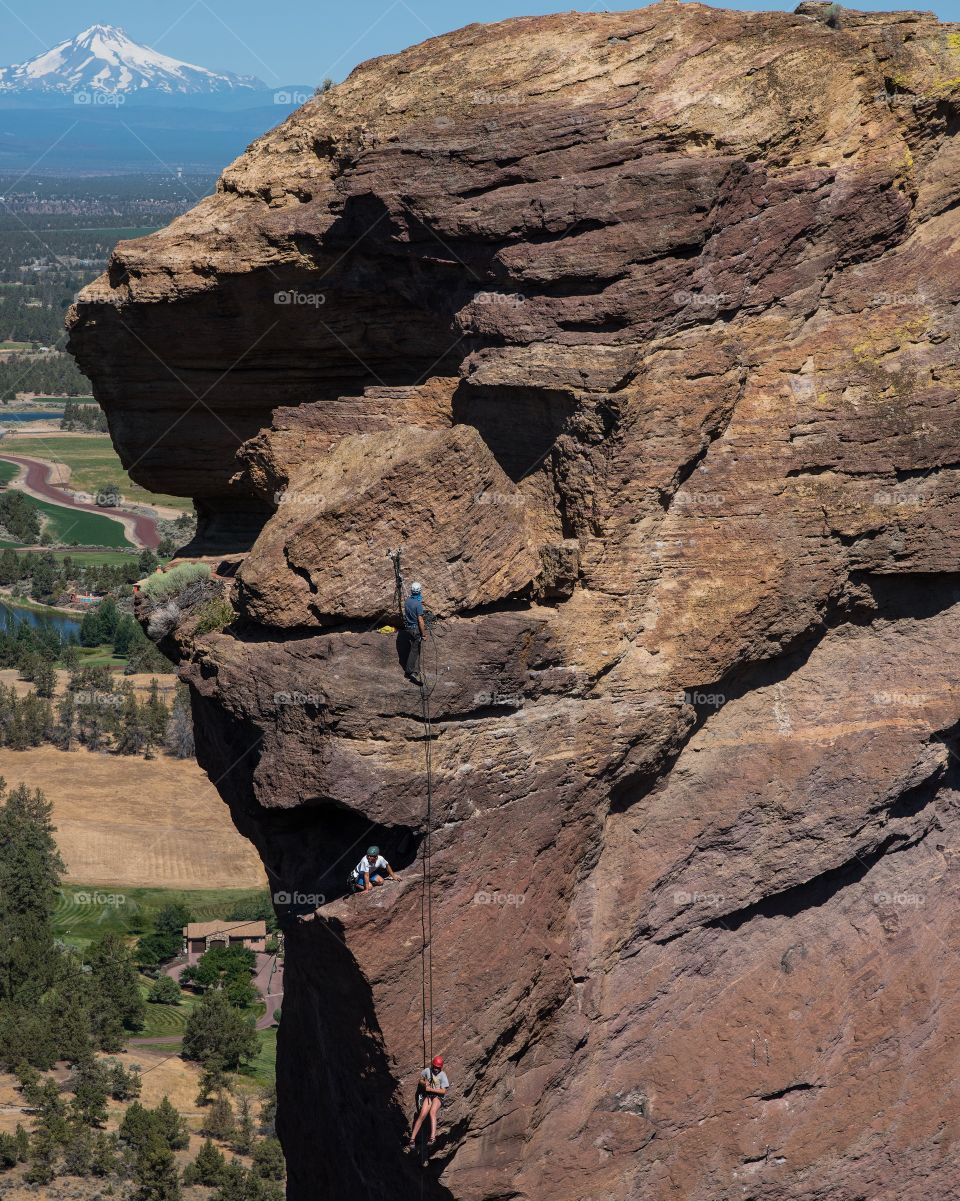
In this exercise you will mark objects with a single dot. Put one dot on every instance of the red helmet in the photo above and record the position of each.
(438, 1061)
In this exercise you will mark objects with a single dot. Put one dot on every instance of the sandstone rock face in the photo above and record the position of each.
(638, 333)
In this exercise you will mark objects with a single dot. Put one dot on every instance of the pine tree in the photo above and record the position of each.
(91, 1087)
(171, 1126)
(207, 1168)
(243, 1135)
(219, 1121)
(214, 1027)
(156, 1172)
(268, 1159)
(116, 984)
(30, 873)
(212, 1078)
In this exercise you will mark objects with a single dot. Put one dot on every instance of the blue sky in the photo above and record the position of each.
(300, 41)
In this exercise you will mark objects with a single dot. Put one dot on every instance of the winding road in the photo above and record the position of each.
(36, 480)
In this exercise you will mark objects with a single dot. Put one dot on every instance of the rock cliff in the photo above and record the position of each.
(638, 333)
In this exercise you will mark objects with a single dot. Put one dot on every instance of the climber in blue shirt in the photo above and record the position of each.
(416, 631)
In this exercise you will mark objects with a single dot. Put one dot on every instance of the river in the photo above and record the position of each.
(65, 626)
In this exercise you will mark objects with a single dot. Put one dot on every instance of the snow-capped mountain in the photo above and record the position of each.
(104, 61)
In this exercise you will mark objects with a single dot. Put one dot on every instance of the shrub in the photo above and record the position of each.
(163, 620)
(164, 586)
(165, 992)
(215, 1028)
(214, 615)
(207, 1168)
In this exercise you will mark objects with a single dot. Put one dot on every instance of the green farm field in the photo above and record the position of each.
(71, 525)
(87, 912)
(93, 464)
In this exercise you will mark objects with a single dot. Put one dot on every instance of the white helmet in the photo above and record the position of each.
(415, 588)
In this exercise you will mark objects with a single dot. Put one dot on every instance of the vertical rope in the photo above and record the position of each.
(426, 891)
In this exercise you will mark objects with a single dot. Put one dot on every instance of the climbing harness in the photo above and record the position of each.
(426, 893)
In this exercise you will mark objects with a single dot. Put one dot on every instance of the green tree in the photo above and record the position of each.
(30, 873)
(117, 988)
(268, 1159)
(244, 1133)
(213, 1078)
(219, 1121)
(165, 992)
(155, 1172)
(207, 1168)
(165, 941)
(125, 1083)
(8, 1152)
(215, 1027)
(91, 1087)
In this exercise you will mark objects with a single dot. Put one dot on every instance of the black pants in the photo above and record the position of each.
(413, 654)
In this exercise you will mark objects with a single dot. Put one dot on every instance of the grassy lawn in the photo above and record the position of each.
(71, 525)
(78, 527)
(93, 463)
(15, 345)
(263, 1069)
(86, 913)
(164, 1020)
(86, 558)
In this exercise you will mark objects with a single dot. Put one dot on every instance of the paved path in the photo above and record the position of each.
(36, 480)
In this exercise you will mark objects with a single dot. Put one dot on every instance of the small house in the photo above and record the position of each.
(199, 937)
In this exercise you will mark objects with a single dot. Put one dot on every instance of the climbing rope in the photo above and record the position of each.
(426, 891)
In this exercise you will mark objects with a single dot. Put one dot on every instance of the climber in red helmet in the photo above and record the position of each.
(431, 1089)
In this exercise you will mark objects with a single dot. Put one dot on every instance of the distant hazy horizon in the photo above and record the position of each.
(290, 41)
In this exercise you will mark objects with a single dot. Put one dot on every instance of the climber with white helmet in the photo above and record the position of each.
(413, 620)
(431, 1089)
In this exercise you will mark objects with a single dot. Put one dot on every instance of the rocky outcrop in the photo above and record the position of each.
(638, 333)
